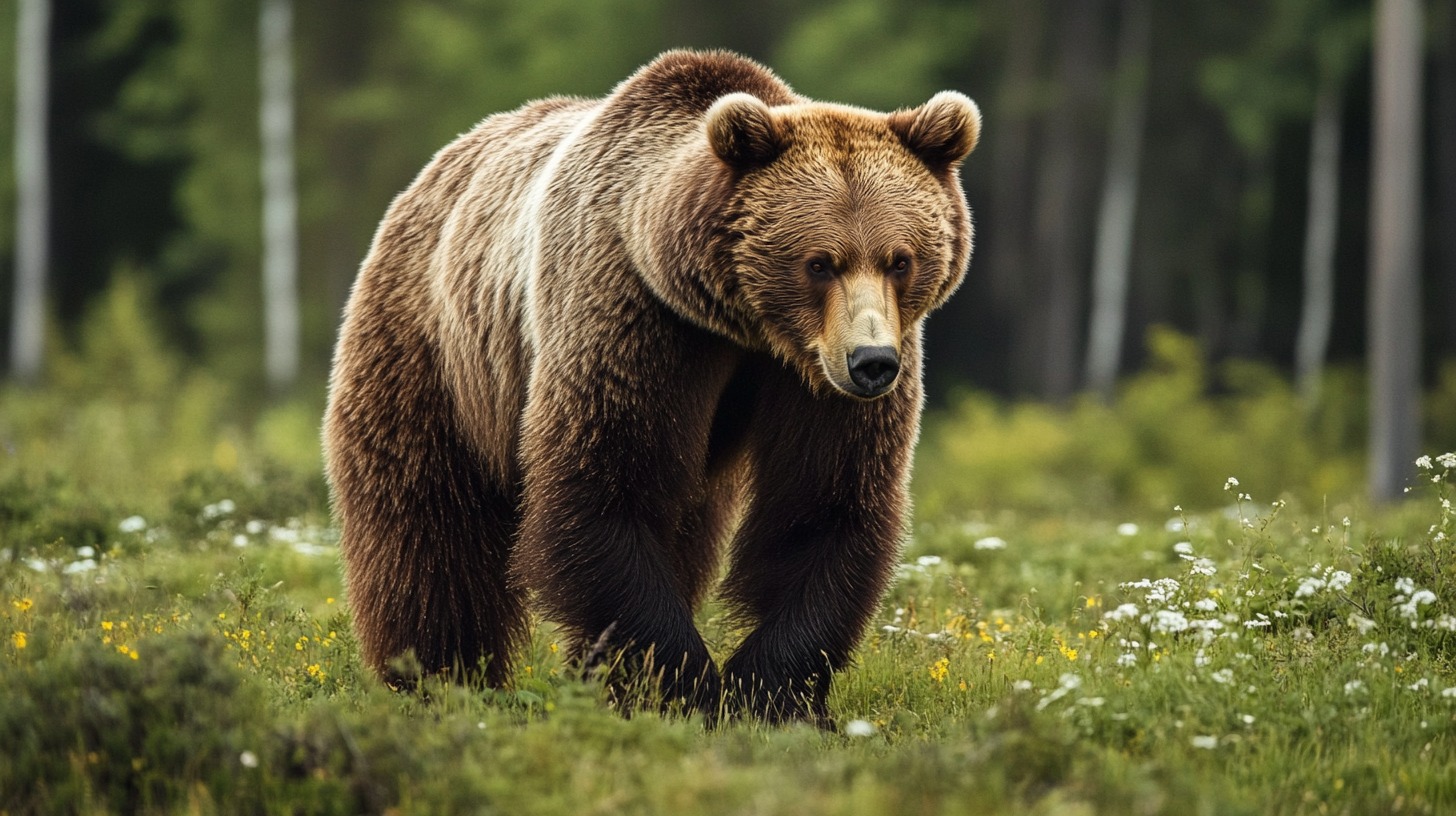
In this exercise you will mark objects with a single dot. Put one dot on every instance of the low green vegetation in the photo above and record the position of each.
(1172, 604)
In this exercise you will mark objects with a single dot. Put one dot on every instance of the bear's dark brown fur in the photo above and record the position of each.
(596, 341)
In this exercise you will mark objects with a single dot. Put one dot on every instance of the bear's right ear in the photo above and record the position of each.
(742, 131)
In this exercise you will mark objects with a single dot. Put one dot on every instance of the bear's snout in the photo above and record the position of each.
(873, 369)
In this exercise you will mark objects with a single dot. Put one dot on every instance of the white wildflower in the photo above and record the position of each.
(248, 759)
(1205, 742)
(1231, 483)
(990, 543)
(1091, 702)
(1354, 685)
(1449, 692)
(928, 561)
(1340, 580)
(1183, 548)
(1021, 685)
(1169, 620)
(1206, 605)
(1224, 676)
(1424, 463)
(1127, 528)
(1411, 609)
(309, 549)
(1420, 684)
(1247, 718)
(1260, 620)
(1203, 566)
(256, 527)
(132, 524)
(1127, 659)
(1382, 648)
(1309, 586)
(859, 728)
(1447, 460)
(75, 567)
(1125, 611)
(87, 551)
(1175, 525)
(1405, 586)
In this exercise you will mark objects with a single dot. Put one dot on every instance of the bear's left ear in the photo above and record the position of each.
(742, 131)
(942, 131)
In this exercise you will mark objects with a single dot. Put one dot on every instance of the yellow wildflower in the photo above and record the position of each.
(106, 626)
(18, 640)
(940, 669)
(23, 604)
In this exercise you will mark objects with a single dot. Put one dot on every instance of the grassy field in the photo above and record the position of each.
(176, 640)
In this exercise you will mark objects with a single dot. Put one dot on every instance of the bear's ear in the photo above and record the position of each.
(742, 131)
(942, 131)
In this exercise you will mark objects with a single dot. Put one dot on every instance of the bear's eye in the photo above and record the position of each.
(900, 264)
(820, 268)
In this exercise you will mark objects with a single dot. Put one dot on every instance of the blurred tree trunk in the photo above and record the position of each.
(1445, 137)
(1063, 192)
(1005, 227)
(32, 170)
(1112, 255)
(1321, 228)
(1395, 247)
(280, 194)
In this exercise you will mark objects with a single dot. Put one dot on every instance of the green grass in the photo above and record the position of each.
(204, 664)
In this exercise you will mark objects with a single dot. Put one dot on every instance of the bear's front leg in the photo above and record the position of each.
(614, 453)
(819, 542)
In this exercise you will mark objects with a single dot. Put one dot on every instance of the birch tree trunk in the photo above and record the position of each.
(32, 172)
(1320, 230)
(1117, 212)
(1395, 247)
(1064, 189)
(280, 196)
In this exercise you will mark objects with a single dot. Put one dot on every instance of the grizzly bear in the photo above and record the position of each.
(599, 343)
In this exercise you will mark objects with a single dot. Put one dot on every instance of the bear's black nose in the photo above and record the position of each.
(873, 369)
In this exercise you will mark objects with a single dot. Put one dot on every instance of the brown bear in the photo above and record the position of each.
(596, 343)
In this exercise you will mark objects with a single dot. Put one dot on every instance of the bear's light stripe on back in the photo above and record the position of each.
(530, 221)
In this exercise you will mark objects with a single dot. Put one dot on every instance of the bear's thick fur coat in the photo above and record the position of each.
(597, 343)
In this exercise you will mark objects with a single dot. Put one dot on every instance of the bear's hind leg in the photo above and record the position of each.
(427, 532)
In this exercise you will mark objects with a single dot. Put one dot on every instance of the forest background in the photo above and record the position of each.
(1201, 166)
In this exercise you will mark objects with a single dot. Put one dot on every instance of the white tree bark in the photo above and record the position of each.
(1320, 232)
(1395, 247)
(1112, 255)
(32, 181)
(280, 195)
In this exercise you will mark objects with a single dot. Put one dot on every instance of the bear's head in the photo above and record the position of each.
(847, 227)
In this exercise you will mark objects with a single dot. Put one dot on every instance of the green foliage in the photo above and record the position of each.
(124, 421)
(1274, 77)
(843, 51)
(1163, 440)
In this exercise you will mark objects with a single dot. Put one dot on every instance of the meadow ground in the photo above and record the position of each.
(175, 639)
